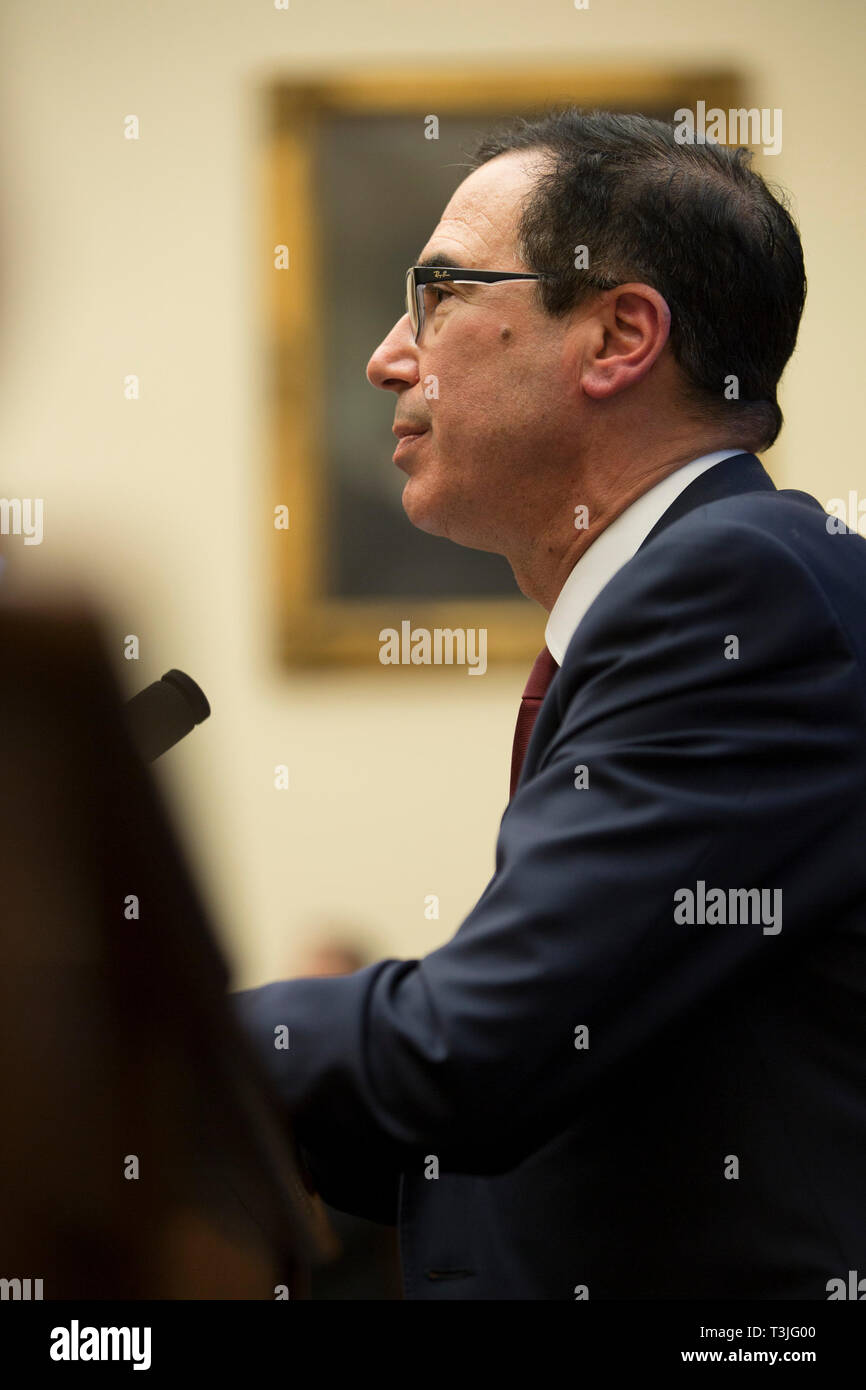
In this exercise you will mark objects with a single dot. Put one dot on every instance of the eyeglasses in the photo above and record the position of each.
(422, 282)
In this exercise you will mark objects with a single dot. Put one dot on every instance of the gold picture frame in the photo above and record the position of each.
(315, 627)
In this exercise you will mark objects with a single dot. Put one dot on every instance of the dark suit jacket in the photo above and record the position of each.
(710, 1141)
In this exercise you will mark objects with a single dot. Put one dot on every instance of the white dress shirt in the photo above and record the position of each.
(615, 546)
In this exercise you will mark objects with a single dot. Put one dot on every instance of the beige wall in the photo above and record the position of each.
(120, 257)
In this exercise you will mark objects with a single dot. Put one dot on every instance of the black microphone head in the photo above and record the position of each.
(163, 713)
(198, 704)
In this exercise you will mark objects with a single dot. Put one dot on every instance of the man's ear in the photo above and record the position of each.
(632, 325)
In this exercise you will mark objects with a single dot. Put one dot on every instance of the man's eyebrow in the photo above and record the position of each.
(442, 260)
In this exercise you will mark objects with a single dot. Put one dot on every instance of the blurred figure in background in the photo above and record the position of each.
(368, 1266)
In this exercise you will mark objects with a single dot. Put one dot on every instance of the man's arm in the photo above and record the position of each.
(700, 766)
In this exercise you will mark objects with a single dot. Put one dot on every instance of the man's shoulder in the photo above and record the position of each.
(774, 556)
(764, 532)
(777, 538)
(759, 519)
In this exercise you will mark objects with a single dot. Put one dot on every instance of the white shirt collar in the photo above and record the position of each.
(614, 547)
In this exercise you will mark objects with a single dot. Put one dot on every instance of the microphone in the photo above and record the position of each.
(163, 713)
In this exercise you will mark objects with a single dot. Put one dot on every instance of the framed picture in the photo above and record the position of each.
(356, 172)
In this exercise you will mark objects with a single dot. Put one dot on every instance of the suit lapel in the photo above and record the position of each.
(739, 474)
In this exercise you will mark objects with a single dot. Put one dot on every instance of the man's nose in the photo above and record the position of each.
(394, 364)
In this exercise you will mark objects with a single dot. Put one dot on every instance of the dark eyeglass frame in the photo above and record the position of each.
(417, 276)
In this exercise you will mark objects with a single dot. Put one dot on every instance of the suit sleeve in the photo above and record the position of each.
(712, 699)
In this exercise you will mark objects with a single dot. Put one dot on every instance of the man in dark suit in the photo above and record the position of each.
(638, 1070)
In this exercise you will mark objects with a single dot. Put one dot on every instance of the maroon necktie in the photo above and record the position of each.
(540, 676)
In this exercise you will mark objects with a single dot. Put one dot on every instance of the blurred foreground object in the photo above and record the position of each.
(119, 1054)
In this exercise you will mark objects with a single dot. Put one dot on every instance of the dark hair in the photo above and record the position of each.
(693, 221)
